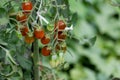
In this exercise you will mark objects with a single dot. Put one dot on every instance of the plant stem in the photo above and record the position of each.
(36, 59)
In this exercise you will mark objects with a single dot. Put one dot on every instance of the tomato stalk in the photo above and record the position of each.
(36, 59)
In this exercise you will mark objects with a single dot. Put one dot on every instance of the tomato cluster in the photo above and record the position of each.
(52, 38)
(57, 39)
(22, 17)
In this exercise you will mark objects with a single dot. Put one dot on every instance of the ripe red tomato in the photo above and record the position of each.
(27, 6)
(46, 51)
(24, 30)
(29, 39)
(45, 40)
(39, 33)
(21, 17)
(61, 35)
(60, 24)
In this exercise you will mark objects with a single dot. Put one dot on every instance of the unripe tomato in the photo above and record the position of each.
(27, 6)
(60, 25)
(29, 39)
(46, 51)
(45, 40)
(39, 33)
(50, 27)
(24, 30)
(62, 47)
(21, 17)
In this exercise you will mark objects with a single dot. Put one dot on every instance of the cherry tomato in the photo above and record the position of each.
(64, 48)
(29, 39)
(39, 33)
(57, 47)
(50, 27)
(24, 30)
(27, 6)
(60, 46)
(21, 17)
(45, 40)
(60, 24)
(46, 51)
(61, 35)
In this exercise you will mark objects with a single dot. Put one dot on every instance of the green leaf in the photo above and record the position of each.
(3, 43)
(3, 17)
(92, 40)
(3, 12)
(27, 75)
(24, 63)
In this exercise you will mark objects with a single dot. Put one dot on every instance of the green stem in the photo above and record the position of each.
(36, 59)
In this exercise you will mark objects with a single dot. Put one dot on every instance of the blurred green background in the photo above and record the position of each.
(102, 60)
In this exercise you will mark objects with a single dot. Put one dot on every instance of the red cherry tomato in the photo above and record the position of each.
(39, 33)
(45, 40)
(46, 51)
(61, 35)
(24, 30)
(60, 25)
(21, 17)
(27, 6)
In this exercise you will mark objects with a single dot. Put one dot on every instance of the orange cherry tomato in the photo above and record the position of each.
(46, 51)
(24, 30)
(45, 40)
(21, 17)
(27, 6)
(39, 33)
(29, 39)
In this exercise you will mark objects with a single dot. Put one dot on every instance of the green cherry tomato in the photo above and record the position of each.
(50, 27)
